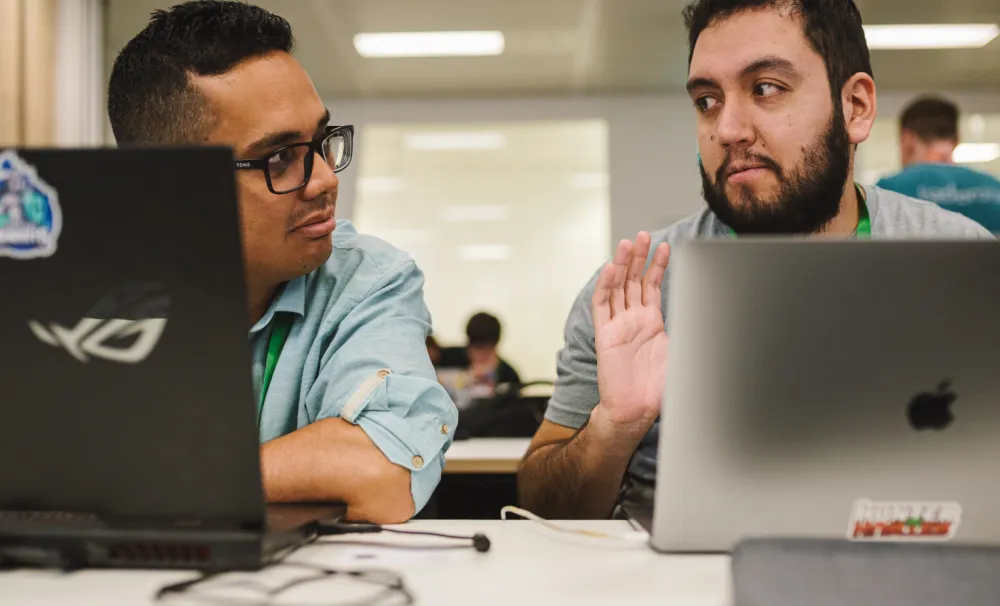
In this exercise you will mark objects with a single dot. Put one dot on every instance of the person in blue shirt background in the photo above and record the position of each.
(348, 404)
(927, 139)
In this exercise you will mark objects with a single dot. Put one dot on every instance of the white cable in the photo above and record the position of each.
(628, 537)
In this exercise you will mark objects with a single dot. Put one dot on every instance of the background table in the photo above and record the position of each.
(479, 478)
(528, 564)
(486, 455)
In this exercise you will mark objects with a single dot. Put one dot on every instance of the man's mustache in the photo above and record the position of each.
(315, 206)
(744, 158)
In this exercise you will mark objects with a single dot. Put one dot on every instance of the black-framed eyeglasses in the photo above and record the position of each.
(289, 168)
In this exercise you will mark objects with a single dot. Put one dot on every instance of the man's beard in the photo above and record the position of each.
(806, 200)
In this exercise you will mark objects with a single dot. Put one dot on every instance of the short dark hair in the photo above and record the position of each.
(832, 27)
(931, 119)
(483, 329)
(151, 99)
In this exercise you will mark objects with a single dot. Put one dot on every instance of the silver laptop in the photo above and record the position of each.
(830, 390)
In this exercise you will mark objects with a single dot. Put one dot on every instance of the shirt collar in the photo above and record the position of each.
(873, 200)
(292, 299)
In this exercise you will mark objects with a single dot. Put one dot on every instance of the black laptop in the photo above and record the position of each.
(128, 430)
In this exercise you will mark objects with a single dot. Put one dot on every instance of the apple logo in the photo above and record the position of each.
(932, 410)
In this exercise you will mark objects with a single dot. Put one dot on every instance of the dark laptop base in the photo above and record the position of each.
(70, 549)
(43, 539)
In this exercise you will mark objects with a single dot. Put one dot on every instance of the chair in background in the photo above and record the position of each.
(514, 411)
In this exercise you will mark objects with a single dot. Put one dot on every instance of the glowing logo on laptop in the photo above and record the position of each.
(30, 217)
(897, 521)
(123, 327)
(95, 338)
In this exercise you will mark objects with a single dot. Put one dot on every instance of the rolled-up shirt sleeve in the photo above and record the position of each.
(380, 378)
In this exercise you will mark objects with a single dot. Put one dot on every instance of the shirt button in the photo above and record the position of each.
(382, 374)
(418, 462)
(444, 429)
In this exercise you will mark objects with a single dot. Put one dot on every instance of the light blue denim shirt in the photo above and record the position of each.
(357, 350)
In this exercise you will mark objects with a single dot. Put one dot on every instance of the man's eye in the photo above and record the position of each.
(279, 162)
(704, 104)
(766, 89)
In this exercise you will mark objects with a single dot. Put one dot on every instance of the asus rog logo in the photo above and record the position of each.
(123, 327)
(93, 337)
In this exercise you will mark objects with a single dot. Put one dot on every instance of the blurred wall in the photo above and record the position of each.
(506, 217)
(651, 146)
(81, 81)
(27, 72)
(654, 179)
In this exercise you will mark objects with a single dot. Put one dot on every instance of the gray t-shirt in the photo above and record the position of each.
(576, 394)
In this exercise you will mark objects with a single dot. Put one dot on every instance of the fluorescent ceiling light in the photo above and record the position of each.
(430, 44)
(976, 153)
(895, 37)
(456, 141)
(473, 213)
(484, 252)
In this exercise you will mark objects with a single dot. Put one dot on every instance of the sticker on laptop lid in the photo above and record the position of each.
(30, 216)
(904, 520)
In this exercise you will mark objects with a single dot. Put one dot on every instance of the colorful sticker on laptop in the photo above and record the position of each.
(30, 217)
(904, 520)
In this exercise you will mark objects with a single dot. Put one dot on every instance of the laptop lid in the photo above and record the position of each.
(126, 388)
(815, 383)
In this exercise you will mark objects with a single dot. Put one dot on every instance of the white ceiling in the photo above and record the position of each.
(562, 46)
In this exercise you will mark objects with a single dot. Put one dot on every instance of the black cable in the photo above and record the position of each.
(480, 542)
(389, 546)
(392, 587)
(391, 584)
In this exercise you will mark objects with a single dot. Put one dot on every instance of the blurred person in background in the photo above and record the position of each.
(351, 412)
(928, 136)
(783, 94)
(486, 367)
(433, 350)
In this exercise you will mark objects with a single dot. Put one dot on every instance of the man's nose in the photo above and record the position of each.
(322, 181)
(735, 127)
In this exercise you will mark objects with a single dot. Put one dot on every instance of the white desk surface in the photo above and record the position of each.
(485, 455)
(528, 564)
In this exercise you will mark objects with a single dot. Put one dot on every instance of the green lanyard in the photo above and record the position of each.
(281, 325)
(864, 229)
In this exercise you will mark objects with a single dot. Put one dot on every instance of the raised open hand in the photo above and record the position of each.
(630, 340)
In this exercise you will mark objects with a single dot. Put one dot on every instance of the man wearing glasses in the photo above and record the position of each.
(348, 405)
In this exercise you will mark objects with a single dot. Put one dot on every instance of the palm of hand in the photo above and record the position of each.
(629, 338)
(632, 359)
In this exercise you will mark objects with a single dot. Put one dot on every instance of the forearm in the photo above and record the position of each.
(579, 478)
(334, 461)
